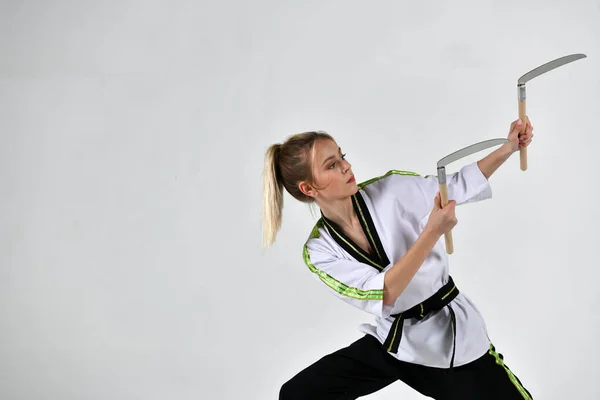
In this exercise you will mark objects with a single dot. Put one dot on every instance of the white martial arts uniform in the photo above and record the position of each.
(393, 210)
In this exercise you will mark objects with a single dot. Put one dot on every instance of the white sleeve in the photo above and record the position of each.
(358, 284)
(466, 186)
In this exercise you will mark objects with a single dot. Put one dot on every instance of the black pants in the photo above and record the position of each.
(365, 367)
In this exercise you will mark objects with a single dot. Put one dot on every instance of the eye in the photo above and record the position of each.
(333, 165)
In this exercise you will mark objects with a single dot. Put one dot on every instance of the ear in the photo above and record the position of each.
(307, 189)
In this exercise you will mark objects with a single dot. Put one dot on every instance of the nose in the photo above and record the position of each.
(347, 166)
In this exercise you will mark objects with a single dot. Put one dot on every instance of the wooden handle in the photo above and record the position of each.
(447, 235)
(523, 150)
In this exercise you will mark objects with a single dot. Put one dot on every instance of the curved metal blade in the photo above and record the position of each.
(559, 62)
(467, 151)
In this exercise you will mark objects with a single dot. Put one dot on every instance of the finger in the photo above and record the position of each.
(526, 136)
(517, 127)
(524, 144)
(514, 126)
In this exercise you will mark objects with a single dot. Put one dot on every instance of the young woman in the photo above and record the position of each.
(377, 247)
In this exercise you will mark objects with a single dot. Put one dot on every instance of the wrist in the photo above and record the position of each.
(507, 149)
(428, 231)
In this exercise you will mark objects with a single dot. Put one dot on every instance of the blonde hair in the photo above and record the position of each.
(286, 165)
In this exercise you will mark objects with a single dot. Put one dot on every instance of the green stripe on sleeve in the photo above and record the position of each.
(333, 283)
(392, 172)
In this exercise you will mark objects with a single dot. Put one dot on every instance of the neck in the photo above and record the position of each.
(341, 212)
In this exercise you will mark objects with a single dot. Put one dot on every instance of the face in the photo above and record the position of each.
(333, 175)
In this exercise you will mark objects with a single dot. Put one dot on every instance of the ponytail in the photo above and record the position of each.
(286, 165)
(272, 191)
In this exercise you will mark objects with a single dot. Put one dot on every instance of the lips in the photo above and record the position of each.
(351, 179)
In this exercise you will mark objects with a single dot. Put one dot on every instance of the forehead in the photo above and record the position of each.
(325, 148)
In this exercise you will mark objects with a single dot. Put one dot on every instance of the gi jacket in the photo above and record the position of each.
(393, 210)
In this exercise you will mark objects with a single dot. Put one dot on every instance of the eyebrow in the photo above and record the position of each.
(330, 157)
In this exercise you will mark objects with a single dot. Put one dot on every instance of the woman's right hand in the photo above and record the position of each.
(441, 220)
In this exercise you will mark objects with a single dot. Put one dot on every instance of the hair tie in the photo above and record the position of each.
(276, 162)
(277, 151)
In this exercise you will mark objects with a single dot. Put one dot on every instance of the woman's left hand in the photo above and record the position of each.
(517, 140)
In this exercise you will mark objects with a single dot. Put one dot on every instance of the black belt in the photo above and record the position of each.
(439, 300)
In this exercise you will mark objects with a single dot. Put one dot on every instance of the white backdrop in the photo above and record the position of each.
(131, 153)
